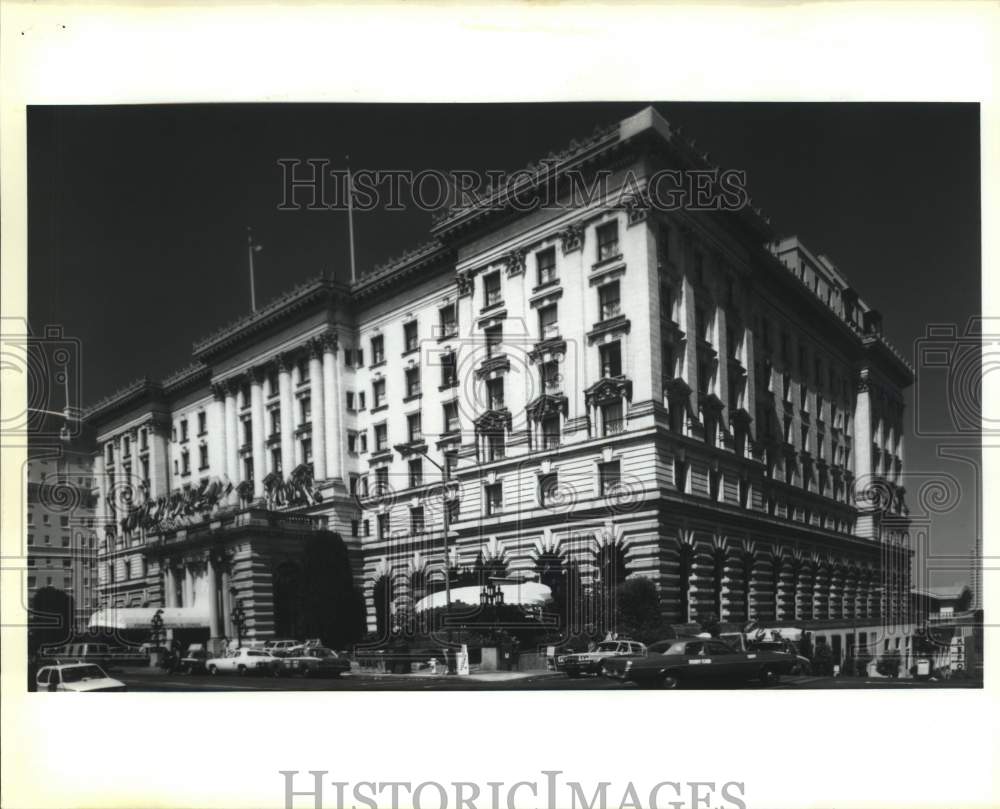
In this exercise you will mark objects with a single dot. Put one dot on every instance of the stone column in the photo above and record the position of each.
(688, 322)
(102, 490)
(333, 405)
(257, 427)
(159, 469)
(227, 607)
(169, 585)
(317, 394)
(188, 593)
(232, 429)
(863, 465)
(217, 430)
(214, 630)
(286, 403)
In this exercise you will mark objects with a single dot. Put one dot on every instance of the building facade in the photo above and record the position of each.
(61, 533)
(673, 394)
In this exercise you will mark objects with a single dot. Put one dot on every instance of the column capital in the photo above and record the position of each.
(330, 341)
(254, 375)
(220, 389)
(282, 362)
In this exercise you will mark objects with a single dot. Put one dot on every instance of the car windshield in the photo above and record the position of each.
(322, 653)
(78, 673)
(660, 647)
(255, 653)
(607, 647)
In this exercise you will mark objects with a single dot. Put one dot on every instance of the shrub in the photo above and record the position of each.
(822, 661)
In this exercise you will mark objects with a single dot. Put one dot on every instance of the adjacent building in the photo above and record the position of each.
(61, 531)
(680, 395)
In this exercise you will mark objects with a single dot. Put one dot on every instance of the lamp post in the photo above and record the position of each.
(239, 618)
(405, 450)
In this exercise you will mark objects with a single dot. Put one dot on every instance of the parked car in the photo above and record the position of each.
(242, 661)
(591, 662)
(670, 663)
(311, 661)
(802, 664)
(76, 677)
(195, 661)
(280, 647)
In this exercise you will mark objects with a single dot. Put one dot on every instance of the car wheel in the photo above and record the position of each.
(275, 672)
(213, 670)
(669, 681)
(602, 671)
(769, 676)
(307, 672)
(241, 670)
(573, 674)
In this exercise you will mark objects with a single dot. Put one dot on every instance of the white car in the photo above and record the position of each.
(280, 647)
(76, 677)
(242, 661)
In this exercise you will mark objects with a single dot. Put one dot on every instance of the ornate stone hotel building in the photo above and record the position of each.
(682, 392)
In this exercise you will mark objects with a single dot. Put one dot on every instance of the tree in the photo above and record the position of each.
(964, 602)
(710, 623)
(50, 621)
(823, 660)
(639, 610)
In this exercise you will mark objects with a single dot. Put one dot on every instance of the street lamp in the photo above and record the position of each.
(239, 618)
(405, 450)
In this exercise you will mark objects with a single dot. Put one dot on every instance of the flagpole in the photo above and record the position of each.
(350, 215)
(253, 297)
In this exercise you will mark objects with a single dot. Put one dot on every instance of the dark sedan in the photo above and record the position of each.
(670, 663)
(311, 661)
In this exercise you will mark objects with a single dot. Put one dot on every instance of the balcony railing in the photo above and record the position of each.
(614, 426)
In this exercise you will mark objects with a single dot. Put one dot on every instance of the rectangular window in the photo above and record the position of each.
(610, 300)
(185, 463)
(378, 393)
(201, 423)
(609, 477)
(378, 350)
(491, 289)
(451, 417)
(494, 393)
(248, 468)
(363, 444)
(307, 450)
(416, 472)
(126, 447)
(275, 415)
(276, 459)
(303, 368)
(493, 496)
(383, 526)
(352, 485)
(359, 358)
(361, 400)
(381, 437)
(550, 432)
(494, 338)
(495, 446)
(350, 400)
(410, 335)
(548, 489)
(612, 419)
(551, 378)
(548, 321)
(448, 320)
(611, 359)
(545, 260)
(449, 374)
(607, 241)
(184, 430)
(417, 520)
(412, 382)
(382, 480)
(366, 528)
(203, 456)
(352, 443)
(305, 410)
(413, 426)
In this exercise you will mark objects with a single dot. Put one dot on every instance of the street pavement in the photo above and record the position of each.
(155, 680)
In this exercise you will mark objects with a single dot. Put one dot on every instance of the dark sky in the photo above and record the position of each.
(138, 215)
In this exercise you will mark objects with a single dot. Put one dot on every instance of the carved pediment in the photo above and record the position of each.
(608, 390)
(493, 421)
(544, 406)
